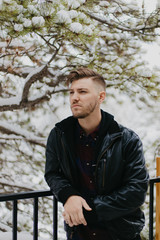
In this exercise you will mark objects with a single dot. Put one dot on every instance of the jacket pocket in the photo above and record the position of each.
(126, 227)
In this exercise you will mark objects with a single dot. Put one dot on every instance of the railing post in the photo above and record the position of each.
(34, 195)
(35, 219)
(151, 210)
(158, 200)
(14, 236)
(55, 218)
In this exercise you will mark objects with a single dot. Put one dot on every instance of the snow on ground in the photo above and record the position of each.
(21, 236)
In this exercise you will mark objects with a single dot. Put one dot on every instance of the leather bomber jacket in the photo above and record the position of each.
(120, 175)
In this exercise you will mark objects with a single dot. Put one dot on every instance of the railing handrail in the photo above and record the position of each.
(25, 195)
(14, 197)
(45, 193)
(152, 181)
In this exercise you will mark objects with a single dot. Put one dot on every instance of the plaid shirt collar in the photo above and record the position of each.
(93, 135)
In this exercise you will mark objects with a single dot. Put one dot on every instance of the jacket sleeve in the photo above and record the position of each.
(54, 176)
(131, 195)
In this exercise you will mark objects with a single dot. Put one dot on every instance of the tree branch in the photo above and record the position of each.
(21, 133)
(139, 30)
(30, 103)
(34, 76)
(4, 184)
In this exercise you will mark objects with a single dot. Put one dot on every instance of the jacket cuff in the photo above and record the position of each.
(67, 192)
(91, 216)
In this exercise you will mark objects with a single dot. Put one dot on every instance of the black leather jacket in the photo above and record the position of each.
(120, 174)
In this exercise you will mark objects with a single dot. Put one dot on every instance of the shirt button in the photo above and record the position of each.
(87, 145)
(87, 163)
(90, 181)
(94, 234)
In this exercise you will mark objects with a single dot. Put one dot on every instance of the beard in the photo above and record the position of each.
(84, 112)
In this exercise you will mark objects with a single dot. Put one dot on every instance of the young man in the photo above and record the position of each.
(96, 167)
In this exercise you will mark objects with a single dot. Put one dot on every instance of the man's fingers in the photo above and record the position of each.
(82, 219)
(86, 206)
(68, 219)
(73, 214)
(74, 219)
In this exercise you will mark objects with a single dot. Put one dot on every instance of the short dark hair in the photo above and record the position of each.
(85, 73)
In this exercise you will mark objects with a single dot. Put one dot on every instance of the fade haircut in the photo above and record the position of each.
(86, 73)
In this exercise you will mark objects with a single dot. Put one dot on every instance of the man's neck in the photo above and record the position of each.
(90, 123)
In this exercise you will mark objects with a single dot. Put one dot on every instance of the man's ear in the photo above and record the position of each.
(102, 96)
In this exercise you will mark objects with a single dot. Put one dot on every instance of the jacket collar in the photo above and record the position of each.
(108, 124)
(109, 128)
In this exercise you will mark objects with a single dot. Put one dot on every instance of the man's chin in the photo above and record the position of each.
(79, 116)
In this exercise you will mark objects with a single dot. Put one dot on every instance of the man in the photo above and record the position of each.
(96, 167)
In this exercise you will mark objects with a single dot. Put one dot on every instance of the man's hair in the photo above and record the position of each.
(85, 73)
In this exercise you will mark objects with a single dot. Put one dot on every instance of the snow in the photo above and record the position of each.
(63, 17)
(10, 101)
(38, 21)
(73, 4)
(4, 228)
(27, 22)
(118, 69)
(1, 2)
(7, 1)
(24, 165)
(18, 27)
(34, 72)
(21, 236)
(87, 30)
(73, 14)
(21, 131)
(32, 9)
(149, 5)
(76, 27)
(104, 3)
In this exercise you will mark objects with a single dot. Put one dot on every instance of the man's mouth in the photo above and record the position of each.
(75, 105)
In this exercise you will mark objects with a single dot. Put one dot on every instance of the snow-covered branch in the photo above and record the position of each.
(141, 29)
(17, 186)
(15, 130)
(35, 75)
(14, 103)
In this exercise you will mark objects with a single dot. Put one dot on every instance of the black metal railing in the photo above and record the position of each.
(151, 205)
(34, 195)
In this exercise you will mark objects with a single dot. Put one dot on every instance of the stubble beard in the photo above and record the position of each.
(85, 113)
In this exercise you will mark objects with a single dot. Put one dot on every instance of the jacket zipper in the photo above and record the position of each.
(105, 150)
(104, 168)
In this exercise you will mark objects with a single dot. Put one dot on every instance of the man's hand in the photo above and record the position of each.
(73, 211)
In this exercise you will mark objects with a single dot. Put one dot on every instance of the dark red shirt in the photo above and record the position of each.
(85, 159)
(85, 150)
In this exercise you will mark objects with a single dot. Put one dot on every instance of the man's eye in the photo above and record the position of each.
(70, 93)
(82, 91)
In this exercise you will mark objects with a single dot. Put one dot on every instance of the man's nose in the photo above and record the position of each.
(75, 97)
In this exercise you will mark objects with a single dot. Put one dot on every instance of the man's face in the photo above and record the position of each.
(84, 97)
